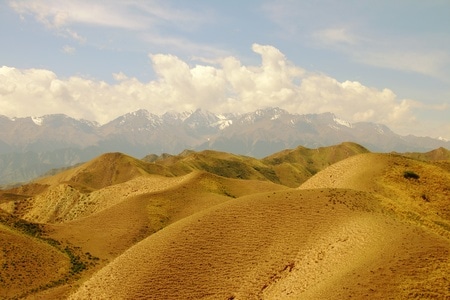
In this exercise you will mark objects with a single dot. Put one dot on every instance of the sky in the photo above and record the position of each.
(365, 61)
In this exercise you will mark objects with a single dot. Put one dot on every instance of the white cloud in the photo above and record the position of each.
(430, 63)
(65, 16)
(397, 53)
(333, 36)
(225, 87)
(68, 49)
(58, 14)
(383, 35)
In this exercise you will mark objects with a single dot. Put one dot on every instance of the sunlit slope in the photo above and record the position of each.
(84, 190)
(131, 211)
(63, 202)
(291, 244)
(425, 200)
(27, 264)
(109, 178)
(104, 222)
(106, 170)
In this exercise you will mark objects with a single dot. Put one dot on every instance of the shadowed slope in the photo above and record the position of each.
(311, 244)
(289, 167)
(295, 166)
(216, 162)
(433, 155)
(27, 263)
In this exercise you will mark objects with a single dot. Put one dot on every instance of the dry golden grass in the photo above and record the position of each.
(140, 212)
(295, 166)
(291, 244)
(433, 155)
(424, 201)
(112, 177)
(28, 264)
(289, 167)
(174, 229)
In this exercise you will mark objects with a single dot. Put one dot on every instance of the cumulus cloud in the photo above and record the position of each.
(227, 86)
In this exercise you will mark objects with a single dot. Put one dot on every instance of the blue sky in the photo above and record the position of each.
(376, 61)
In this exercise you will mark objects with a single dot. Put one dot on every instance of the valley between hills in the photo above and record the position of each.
(335, 222)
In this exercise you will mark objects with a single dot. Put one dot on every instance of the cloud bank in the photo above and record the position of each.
(224, 86)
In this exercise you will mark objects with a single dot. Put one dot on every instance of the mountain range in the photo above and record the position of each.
(31, 146)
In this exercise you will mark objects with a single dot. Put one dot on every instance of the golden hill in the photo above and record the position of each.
(327, 223)
(95, 185)
(424, 199)
(289, 167)
(106, 170)
(433, 155)
(292, 244)
(135, 212)
(103, 222)
(293, 167)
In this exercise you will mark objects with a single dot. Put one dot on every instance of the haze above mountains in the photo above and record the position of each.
(327, 223)
(30, 147)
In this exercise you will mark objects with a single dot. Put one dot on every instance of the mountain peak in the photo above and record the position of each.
(272, 111)
(141, 113)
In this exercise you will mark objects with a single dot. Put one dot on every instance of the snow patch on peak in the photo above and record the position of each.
(379, 129)
(173, 115)
(37, 120)
(224, 123)
(89, 123)
(442, 139)
(140, 113)
(343, 122)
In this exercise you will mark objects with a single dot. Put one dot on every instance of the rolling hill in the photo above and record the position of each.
(314, 244)
(327, 223)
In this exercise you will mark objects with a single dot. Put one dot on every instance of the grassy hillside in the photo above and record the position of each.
(289, 167)
(433, 155)
(423, 198)
(328, 223)
(293, 167)
(293, 244)
(97, 184)
(28, 263)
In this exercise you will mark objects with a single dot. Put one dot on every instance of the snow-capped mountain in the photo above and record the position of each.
(32, 145)
(49, 132)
